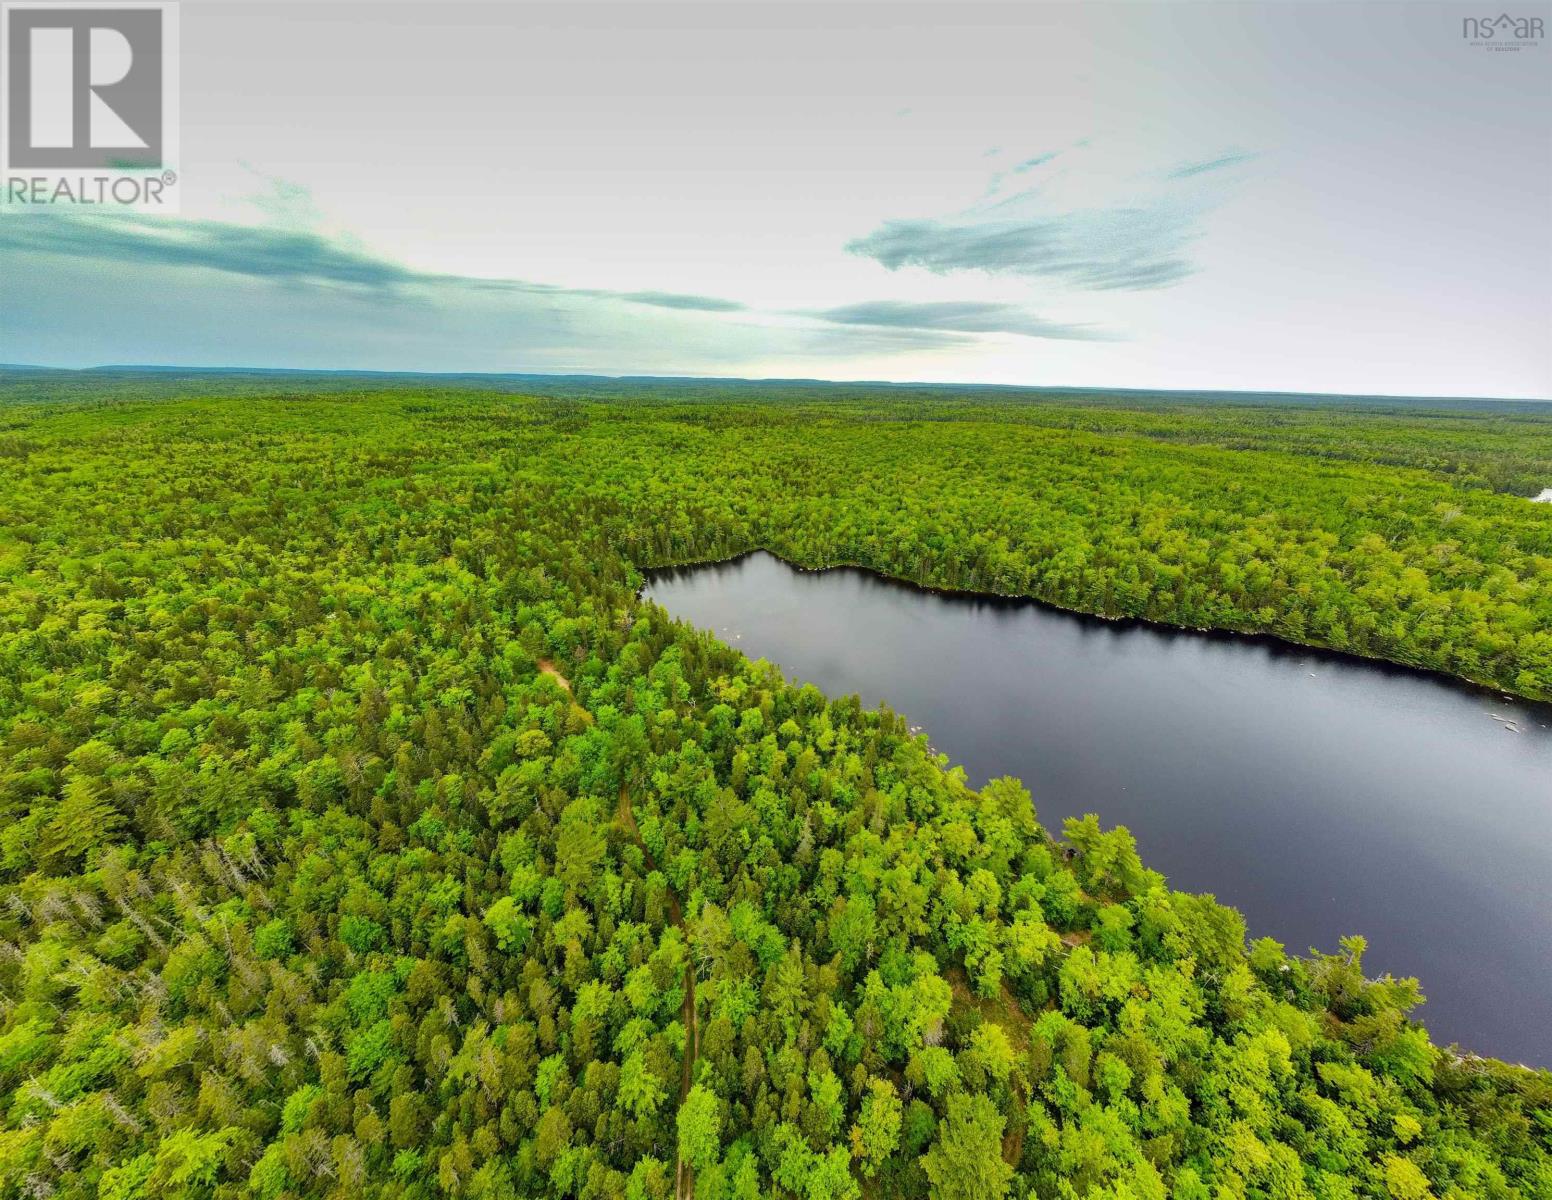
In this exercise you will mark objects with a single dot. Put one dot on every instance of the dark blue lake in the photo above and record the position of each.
(1320, 795)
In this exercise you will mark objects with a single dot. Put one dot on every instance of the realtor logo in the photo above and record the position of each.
(90, 94)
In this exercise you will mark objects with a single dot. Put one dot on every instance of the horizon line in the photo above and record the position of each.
(374, 372)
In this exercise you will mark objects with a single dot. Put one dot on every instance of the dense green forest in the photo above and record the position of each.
(363, 832)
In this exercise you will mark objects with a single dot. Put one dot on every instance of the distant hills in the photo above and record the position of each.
(691, 387)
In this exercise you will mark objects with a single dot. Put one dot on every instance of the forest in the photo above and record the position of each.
(364, 832)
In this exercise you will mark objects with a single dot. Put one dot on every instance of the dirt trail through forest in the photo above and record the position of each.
(546, 667)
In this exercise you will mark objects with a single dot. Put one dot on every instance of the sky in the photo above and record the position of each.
(1325, 197)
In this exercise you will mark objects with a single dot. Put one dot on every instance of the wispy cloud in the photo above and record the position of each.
(282, 255)
(291, 256)
(1104, 249)
(1190, 169)
(302, 276)
(308, 259)
(131, 288)
(1137, 245)
(681, 300)
(847, 340)
(959, 316)
(1039, 160)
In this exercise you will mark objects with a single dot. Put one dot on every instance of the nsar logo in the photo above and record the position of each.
(1502, 32)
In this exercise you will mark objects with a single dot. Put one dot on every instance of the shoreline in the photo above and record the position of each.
(1272, 641)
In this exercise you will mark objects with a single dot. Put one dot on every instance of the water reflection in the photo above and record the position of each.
(1319, 794)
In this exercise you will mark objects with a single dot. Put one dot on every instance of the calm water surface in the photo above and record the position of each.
(1321, 796)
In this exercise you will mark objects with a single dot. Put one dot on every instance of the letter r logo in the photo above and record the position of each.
(84, 86)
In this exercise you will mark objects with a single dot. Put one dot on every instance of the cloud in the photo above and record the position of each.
(282, 255)
(845, 341)
(682, 301)
(84, 290)
(959, 316)
(284, 202)
(1188, 170)
(297, 257)
(240, 290)
(1030, 164)
(1134, 246)
(1102, 249)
